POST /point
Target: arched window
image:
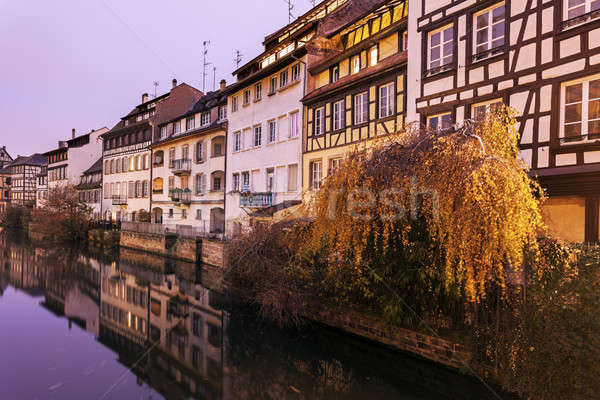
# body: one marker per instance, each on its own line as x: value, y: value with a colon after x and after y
x: 157, y: 185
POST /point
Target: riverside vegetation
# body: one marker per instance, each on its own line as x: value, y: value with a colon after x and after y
x: 443, y: 232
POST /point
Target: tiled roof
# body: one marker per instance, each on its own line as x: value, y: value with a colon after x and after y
x: 35, y: 159
x: 95, y: 168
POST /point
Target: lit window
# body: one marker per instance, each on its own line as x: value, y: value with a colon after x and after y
x: 580, y: 111
x: 339, y: 114
x: 386, y: 100
x: 489, y: 29
x: 361, y: 108
x: 441, y: 47
x: 319, y: 121
x: 356, y: 64
x: 373, y: 56
x: 439, y: 122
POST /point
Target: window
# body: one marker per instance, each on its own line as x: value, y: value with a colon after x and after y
x: 247, y: 97
x: 294, y: 124
x: 361, y: 108
x: 273, y: 85
x: 404, y: 41
x: 479, y: 111
x: 163, y: 132
x: 580, y: 111
x: 217, y: 149
x: 189, y: 123
x: 489, y: 30
x: 355, y: 64
x: 222, y: 113
x: 335, y: 73
x: 199, y: 218
x: 270, y: 180
x: 157, y: 185
x: 319, y: 121
x: 199, y: 184
x: 296, y: 73
x: 373, y: 56
x: 237, y: 141
x: 185, y: 152
x: 199, y: 151
x: 335, y: 164
x: 171, y: 156
x: 315, y: 174
x: 216, y: 183
x: 272, y: 131
x: 339, y: 114
x: 439, y: 122
x: 236, y: 182
x: 258, y: 91
x: 146, y: 161
x: 386, y: 100
x: 283, y: 78
x: 145, y: 188
x: 132, y: 163
x: 205, y: 119
x: 578, y: 8
x: 176, y: 127
x: 441, y: 48
x: 292, y: 177
x: 125, y: 165
x: 138, y: 163
x: 170, y: 213
x: 171, y: 182
x: 183, y: 216
x: 257, y: 136
x: 245, y: 181
x: 234, y: 104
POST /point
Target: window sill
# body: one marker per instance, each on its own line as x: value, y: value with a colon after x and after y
x: 582, y: 20
x: 439, y: 70
x: 258, y: 100
x: 272, y: 93
x: 246, y: 105
x: 288, y: 85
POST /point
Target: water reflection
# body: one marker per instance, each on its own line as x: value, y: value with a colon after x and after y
x: 169, y: 323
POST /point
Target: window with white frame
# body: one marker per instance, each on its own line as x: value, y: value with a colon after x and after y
x: 580, y: 110
x: 234, y: 104
x: 386, y: 100
x: 361, y: 108
x: 489, y: 29
x: 163, y: 132
x: 355, y: 64
x: 237, y: 141
x: 176, y: 127
x: 315, y: 174
x: 283, y: 78
x: 339, y: 113
x: 334, y: 164
x: 199, y: 184
x: 441, y: 47
x: 373, y: 56
x: 578, y: 8
x: 190, y: 123
x: 294, y: 124
x: 205, y: 118
x: 258, y: 91
x: 245, y: 181
x: 439, y: 122
x: 319, y: 121
x: 222, y: 113
x: 236, y: 182
x: 272, y: 131
x: 273, y: 86
x: 480, y: 110
x: 296, y: 73
x: 246, y: 97
x: 257, y: 136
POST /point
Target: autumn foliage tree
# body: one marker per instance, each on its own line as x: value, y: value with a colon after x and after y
x: 63, y: 215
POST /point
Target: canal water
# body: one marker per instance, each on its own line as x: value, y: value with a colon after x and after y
x: 78, y: 324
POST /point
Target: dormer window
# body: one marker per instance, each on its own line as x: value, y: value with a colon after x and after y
x: 190, y: 123
x: 176, y: 127
x: 205, y: 119
x: 138, y: 118
x: 222, y: 113
x: 126, y: 122
x: 163, y: 132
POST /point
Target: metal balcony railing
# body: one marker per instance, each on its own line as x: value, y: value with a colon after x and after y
x: 119, y: 200
x: 256, y: 200
x: 180, y: 196
x: 181, y: 166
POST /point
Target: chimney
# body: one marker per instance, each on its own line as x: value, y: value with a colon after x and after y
x: 223, y: 84
x: 174, y: 83
x: 73, y: 133
x: 144, y: 98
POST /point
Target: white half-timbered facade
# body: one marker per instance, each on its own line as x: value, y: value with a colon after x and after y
x: 541, y: 57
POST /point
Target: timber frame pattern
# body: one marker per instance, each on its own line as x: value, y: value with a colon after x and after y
x: 542, y: 50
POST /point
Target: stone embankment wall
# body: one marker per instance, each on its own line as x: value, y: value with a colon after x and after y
x: 429, y: 347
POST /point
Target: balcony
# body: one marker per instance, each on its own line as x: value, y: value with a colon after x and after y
x: 180, y: 196
x: 119, y: 200
x: 181, y: 167
x: 256, y: 200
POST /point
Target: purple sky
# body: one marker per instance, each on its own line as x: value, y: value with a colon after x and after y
x: 84, y: 64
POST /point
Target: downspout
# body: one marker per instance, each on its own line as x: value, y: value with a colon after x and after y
x: 301, y: 164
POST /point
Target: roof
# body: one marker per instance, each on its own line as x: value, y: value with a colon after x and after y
x: 95, y: 168
x: 34, y: 159
x: 5, y: 170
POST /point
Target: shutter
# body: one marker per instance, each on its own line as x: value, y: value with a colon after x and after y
x: 203, y: 151
x: 203, y: 182
x: 196, y: 153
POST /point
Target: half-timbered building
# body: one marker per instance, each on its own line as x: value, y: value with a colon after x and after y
x: 357, y: 83
x: 23, y: 177
x: 541, y: 57
x: 90, y: 188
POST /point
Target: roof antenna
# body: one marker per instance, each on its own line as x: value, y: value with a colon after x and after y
x: 155, y: 87
x: 204, y: 64
x: 238, y: 58
x: 290, y: 8
x: 313, y: 2
x: 214, y: 78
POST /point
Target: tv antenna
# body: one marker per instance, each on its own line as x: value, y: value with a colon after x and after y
x: 313, y: 2
x: 214, y: 78
x: 204, y: 63
x: 155, y: 87
x: 238, y: 58
x: 290, y: 8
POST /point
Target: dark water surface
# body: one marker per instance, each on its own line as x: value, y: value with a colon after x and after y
x: 75, y: 324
